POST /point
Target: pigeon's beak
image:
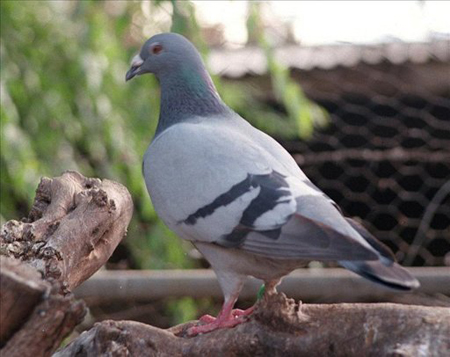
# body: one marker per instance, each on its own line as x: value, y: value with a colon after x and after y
x: 135, y: 69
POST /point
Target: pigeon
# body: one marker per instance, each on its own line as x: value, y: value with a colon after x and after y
x: 237, y: 194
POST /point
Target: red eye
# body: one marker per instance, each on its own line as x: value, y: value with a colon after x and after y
x: 156, y: 48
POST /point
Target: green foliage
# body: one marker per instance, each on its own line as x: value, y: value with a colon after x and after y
x: 182, y: 310
x: 65, y: 106
x: 300, y: 110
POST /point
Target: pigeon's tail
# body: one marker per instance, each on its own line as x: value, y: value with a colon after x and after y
x: 385, y: 270
x: 389, y: 274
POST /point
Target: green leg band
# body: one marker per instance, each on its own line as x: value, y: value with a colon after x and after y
x: 261, y: 291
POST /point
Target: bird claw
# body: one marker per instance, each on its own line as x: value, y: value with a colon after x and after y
x: 209, y: 323
x: 217, y: 324
x: 207, y: 319
x: 246, y: 312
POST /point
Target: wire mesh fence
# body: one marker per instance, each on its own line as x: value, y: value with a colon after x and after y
x: 390, y: 172
x: 385, y: 157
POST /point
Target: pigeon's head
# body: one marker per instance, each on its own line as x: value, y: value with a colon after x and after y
x: 165, y: 53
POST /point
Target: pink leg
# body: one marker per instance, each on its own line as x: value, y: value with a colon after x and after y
x: 227, y: 318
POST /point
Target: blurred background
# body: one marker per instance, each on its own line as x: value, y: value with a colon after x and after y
x: 358, y: 92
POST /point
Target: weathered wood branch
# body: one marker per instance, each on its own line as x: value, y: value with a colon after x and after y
x: 20, y: 286
x: 35, y: 317
x: 72, y: 229
x: 280, y: 327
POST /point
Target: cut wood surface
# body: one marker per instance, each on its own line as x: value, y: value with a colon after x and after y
x: 72, y: 229
x: 39, y: 324
x: 20, y: 286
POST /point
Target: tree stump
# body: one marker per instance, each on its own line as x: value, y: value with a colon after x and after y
x: 72, y: 229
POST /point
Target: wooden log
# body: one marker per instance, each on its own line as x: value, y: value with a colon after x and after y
x: 45, y: 324
x: 280, y: 327
x: 22, y: 286
x: 72, y: 229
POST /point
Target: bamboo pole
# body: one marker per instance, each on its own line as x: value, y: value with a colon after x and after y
x: 315, y: 284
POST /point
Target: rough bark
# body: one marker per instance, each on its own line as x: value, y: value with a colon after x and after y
x: 72, y: 229
x: 36, y: 322
x: 279, y: 327
x: 22, y: 286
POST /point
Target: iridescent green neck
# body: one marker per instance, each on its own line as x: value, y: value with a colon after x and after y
x: 185, y: 93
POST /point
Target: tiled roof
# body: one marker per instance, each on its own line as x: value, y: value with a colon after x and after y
x: 252, y: 60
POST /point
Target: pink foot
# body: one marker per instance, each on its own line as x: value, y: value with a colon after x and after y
x: 207, y: 319
x: 246, y: 312
x: 217, y: 324
x: 227, y: 318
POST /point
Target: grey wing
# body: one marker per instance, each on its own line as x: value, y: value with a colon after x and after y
x: 306, y: 236
x: 261, y: 202
x: 292, y: 219
x: 282, y: 217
